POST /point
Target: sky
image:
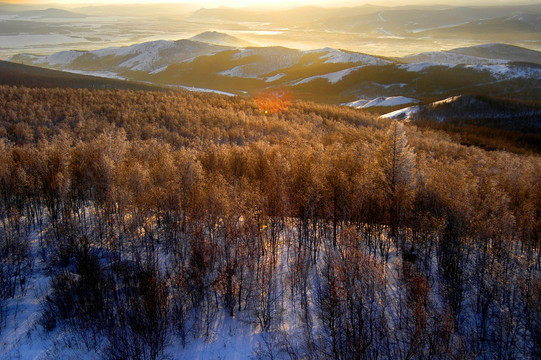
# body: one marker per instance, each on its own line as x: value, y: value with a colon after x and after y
x: 240, y: 3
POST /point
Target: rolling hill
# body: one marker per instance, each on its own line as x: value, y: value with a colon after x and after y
x: 498, y: 113
x: 325, y: 75
x: 32, y: 76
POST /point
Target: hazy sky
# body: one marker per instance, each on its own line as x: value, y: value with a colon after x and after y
x: 236, y: 3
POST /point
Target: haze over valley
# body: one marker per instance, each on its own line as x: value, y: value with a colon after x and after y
x: 334, y: 55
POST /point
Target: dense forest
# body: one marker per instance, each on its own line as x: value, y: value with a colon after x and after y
x: 331, y: 233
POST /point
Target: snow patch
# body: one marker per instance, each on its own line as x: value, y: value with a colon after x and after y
x: 503, y: 72
x: 402, y: 114
x: 60, y: 58
x: 104, y: 74
x: 268, y: 60
x: 151, y: 47
x: 382, y: 101
x: 237, y: 71
x: 334, y: 56
x: 243, y: 53
x: 196, y: 89
x: 159, y: 70
x: 275, y: 77
x: 333, y: 77
x: 356, y: 104
x: 419, y: 67
x: 390, y: 101
x: 451, y: 58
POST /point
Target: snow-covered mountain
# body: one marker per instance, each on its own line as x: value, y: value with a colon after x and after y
x: 335, y: 56
x: 495, y: 51
x: 486, y: 54
x: 146, y: 57
x: 327, y: 74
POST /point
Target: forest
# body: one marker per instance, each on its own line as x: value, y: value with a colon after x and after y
x: 326, y: 231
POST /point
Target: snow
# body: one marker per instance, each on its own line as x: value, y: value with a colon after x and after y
x: 104, y: 74
x: 146, y: 54
x: 390, y: 101
x: 335, y: 56
x: 419, y: 67
x: 402, y: 114
x: 382, y: 101
x: 268, y: 60
x: 21, y: 336
x: 196, y: 89
x: 231, y: 338
x: 332, y: 78
x: 275, y: 77
x: 237, y: 71
x: 244, y: 53
x: 60, y: 58
x: 149, y: 48
x: 388, y: 86
x: 253, y: 70
x: 450, y: 58
x: 508, y: 71
x: 159, y: 70
x: 357, y: 103
x: 152, y: 57
x: 499, y: 69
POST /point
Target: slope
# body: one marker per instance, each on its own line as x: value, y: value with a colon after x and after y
x: 31, y: 76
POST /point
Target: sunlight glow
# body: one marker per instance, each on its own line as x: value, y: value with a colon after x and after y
x: 267, y: 3
x: 213, y: 3
x: 274, y: 101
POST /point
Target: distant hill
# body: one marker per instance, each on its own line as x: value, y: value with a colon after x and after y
x: 410, y: 21
x: 50, y: 13
x: 498, y: 113
x: 31, y: 76
x: 501, y: 51
x: 486, y: 54
x: 218, y: 38
x: 509, y: 28
x: 325, y: 75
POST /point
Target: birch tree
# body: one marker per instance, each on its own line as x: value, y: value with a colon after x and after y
x: 396, y: 163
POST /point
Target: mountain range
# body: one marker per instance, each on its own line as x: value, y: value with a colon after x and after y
x: 223, y: 62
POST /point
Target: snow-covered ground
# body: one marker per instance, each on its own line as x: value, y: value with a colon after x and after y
x: 152, y: 56
x: 509, y: 71
x: 335, y: 56
x: 196, y: 89
x: 382, y: 101
x: 275, y: 77
x: 446, y: 57
x: 422, y: 66
x: 104, y: 74
x: 402, y: 114
x: 332, y: 78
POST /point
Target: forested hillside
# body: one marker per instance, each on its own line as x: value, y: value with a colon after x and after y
x: 150, y: 218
